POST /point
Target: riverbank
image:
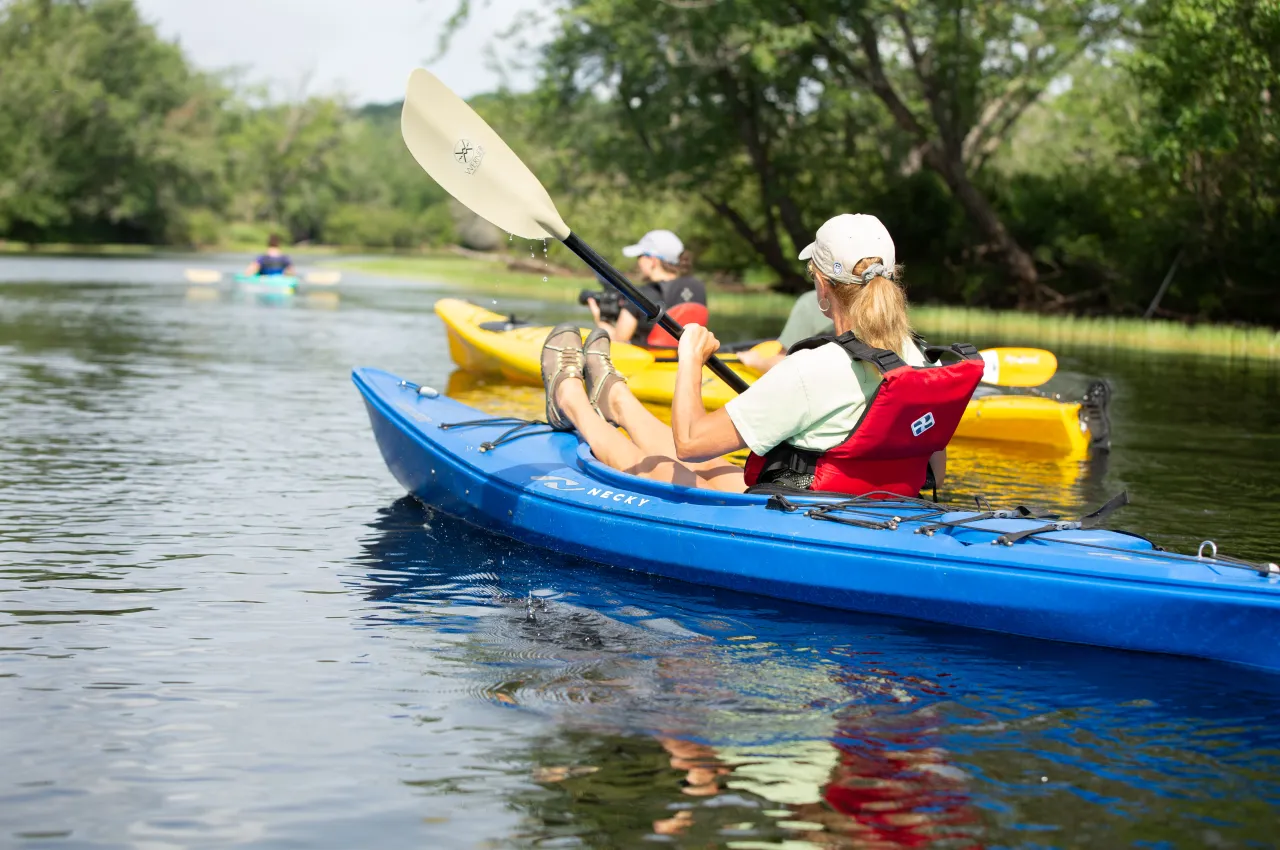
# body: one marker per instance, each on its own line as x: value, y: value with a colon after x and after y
x: 490, y: 278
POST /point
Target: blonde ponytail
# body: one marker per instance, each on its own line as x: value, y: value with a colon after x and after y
x: 877, y: 310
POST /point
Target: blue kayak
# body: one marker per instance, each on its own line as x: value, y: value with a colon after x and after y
x: 989, y: 570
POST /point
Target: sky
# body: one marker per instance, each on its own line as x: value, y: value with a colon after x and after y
x: 364, y: 49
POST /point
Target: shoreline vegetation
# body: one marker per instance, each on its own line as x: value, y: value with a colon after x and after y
x: 1088, y: 158
x: 492, y: 277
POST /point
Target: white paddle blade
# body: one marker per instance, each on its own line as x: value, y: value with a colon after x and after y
x: 325, y: 278
x: 471, y: 162
x: 202, y: 276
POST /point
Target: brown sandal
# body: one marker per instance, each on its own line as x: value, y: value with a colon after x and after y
x: 600, y: 371
x: 561, y: 359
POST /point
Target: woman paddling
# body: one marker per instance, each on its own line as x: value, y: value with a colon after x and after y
x: 809, y: 421
x: 273, y: 262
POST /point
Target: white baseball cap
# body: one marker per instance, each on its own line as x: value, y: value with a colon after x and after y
x: 845, y: 241
x: 663, y: 244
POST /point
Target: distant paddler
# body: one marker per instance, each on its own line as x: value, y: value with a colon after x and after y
x: 273, y: 262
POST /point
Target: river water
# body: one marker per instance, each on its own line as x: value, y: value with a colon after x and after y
x: 221, y: 624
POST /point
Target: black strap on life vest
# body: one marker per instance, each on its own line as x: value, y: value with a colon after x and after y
x: 882, y: 358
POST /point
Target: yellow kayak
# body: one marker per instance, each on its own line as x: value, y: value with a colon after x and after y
x: 482, y: 341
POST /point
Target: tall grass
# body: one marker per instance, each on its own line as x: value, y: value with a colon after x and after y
x: 1046, y: 331
x: 485, y: 277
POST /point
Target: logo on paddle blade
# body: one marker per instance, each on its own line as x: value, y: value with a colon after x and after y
x: 924, y: 423
x: 468, y: 155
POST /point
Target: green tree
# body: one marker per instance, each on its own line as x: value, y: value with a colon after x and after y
x: 288, y: 162
x: 762, y: 104
x: 105, y: 132
x: 1209, y: 70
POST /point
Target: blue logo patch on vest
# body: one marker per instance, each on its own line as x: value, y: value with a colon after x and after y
x: 924, y: 423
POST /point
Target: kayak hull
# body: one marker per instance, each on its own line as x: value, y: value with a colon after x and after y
x: 547, y: 490
x: 1042, y: 422
x: 284, y: 284
x: 1046, y: 424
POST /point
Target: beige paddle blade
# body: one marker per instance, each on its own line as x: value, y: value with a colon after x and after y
x: 324, y: 278
x: 1018, y: 367
x: 471, y: 162
x: 202, y: 276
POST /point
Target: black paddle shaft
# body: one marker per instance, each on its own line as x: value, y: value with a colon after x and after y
x: 601, y: 266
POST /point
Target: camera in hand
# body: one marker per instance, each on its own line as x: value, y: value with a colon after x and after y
x: 609, y: 300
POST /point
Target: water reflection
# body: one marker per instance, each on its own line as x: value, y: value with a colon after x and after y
x: 323, y: 299
x: 713, y: 718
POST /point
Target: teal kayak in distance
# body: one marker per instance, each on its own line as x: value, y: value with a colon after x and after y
x: 279, y: 283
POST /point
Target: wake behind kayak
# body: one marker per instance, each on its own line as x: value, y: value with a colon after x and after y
x: 1030, y: 576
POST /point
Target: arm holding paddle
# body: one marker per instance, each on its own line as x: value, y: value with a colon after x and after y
x: 699, y: 435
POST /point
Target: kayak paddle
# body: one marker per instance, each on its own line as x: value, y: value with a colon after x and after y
x: 472, y: 163
x: 202, y: 276
x: 1018, y: 367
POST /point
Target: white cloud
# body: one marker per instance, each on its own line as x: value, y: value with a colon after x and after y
x: 363, y: 48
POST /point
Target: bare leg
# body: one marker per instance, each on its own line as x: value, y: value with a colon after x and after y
x: 653, y: 436
x: 615, y: 450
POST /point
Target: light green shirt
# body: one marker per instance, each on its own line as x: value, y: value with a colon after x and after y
x: 806, y: 320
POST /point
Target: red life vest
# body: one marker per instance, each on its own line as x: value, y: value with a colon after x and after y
x: 685, y: 313
x: 912, y: 413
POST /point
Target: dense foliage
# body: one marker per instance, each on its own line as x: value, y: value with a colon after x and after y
x: 108, y: 135
x: 1063, y: 155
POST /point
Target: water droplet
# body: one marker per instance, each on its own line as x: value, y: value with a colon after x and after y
x: 511, y: 237
x: 544, y: 278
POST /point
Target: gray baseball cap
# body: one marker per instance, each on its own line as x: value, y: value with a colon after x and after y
x: 663, y: 244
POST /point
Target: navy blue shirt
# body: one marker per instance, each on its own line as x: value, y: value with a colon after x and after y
x: 270, y: 265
